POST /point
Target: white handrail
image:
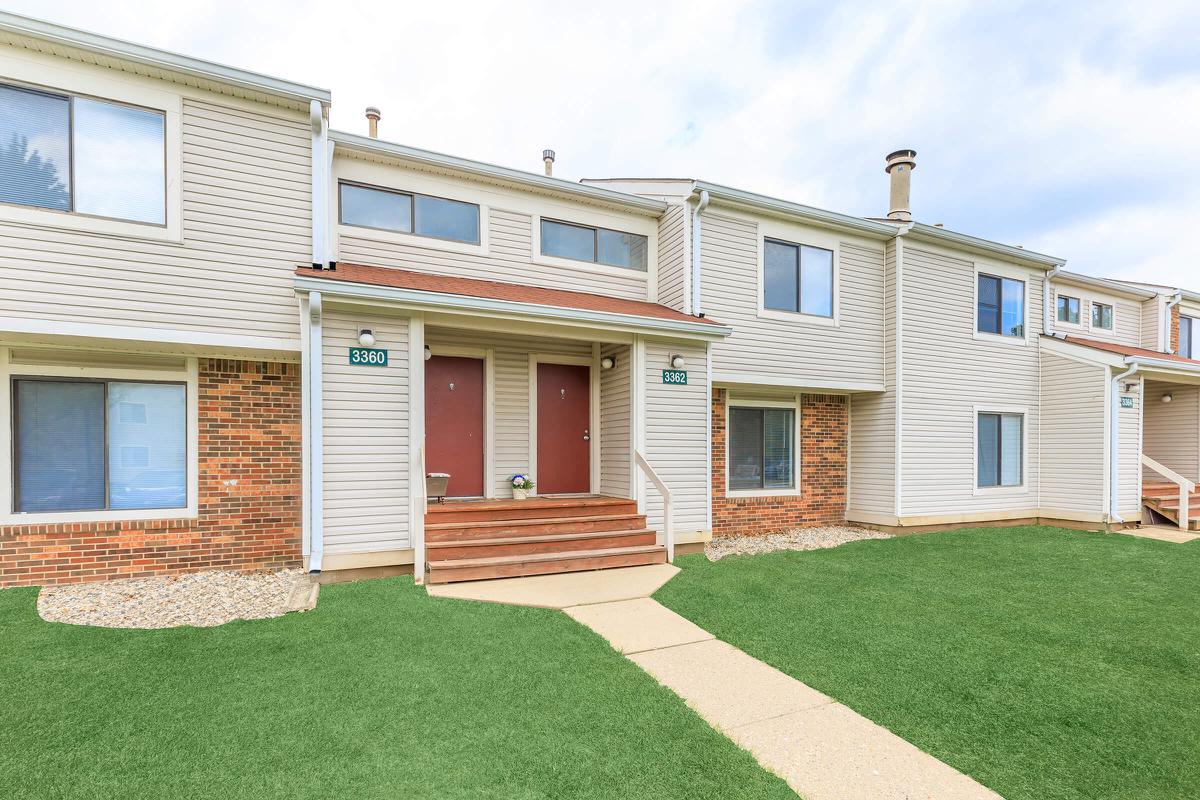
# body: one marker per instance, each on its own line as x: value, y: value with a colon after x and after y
x: 668, y: 522
x: 422, y: 503
x: 1186, y: 487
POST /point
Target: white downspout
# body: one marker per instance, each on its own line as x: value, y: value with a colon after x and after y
x: 320, y: 174
x: 1047, y: 317
x: 701, y: 204
x: 316, y: 516
x: 1165, y: 328
x: 1114, y: 442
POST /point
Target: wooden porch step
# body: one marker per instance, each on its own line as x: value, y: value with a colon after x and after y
x: 536, y: 545
x: 534, y: 507
x: 1162, y: 490
x: 475, y: 569
x: 457, y: 531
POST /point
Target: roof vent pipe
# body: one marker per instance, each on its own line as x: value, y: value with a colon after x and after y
x: 373, y: 117
x: 900, y: 165
x: 548, y: 160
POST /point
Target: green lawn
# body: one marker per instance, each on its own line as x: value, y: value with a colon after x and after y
x: 1045, y: 663
x: 381, y: 692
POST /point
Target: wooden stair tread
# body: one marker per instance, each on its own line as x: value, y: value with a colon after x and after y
x: 521, y: 523
x: 565, y: 555
x: 533, y: 502
x: 548, y: 537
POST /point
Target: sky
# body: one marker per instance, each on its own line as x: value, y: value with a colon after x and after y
x: 1071, y: 128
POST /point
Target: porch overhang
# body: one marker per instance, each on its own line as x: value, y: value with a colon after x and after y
x: 1166, y: 366
x: 466, y: 297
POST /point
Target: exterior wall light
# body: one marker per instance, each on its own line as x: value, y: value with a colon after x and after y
x: 428, y: 353
x: 677, y: 362
x: 608, y: 362
x: 1168, y: 397
x: 366, y: 337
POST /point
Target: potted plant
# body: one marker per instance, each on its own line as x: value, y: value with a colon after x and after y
x: 521, y: 486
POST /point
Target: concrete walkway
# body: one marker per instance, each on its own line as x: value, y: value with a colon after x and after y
x: 823, y: 749
x: 1163, y: 533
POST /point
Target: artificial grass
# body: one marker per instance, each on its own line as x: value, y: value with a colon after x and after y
x: 381, y: 692
x: 1045, y: 663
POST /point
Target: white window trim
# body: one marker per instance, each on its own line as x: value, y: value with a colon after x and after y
x: 1110, y: 331
x: 790, y: 235
x: 63, y: 80
x: 1001, y: 491
x: 590, y: 362
x: 189, y: 376
x: 537, y: 257
x: 482, y: 248
x: 488, y: 356
x: 1084, y: 308
x: 794, y: 403
x: 1002, y: 271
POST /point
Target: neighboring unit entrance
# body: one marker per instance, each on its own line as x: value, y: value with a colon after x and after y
x: 454, y: 422
x: 563, y: 429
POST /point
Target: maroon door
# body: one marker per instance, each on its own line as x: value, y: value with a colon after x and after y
x: 563, y: 429
x: 454, y: 422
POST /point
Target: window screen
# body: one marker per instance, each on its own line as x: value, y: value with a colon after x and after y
x: 761, y: 448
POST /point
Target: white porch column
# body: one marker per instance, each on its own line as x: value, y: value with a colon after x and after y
x: 416, y: 474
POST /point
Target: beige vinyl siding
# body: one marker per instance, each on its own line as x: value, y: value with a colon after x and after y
x: 1127, y: 316
x: 1172, y: 430
x: 616, y: 398
x: 1129, y: 496
x: 673, y: 266
x: 246, y: 226
x: 770, y: 349
x: 1073, y: 433
x: 1152, y: 310
x: 872, y: 458
x: 676, y: 437
x: 511, y: 422
x: 948, y: 372
x: 366, y: 437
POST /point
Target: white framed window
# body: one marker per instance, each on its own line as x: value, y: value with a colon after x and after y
x: 96, y: 443
x: 762, y: 447
x: 596, y: 245
x: 1068, y: 309
x: 363, y: 206
x: 798, y: 278
x: 1000, y: 306
x: 1001, y: 449
x: 1102, y: 316
x: 1189, y: 337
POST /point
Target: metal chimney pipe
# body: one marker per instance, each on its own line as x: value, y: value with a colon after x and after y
x: 373, y: 117
x: 548, y: 159
x: 900, y: 165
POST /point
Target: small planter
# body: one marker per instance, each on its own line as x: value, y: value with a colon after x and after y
x: 520, y: 494
x: 435, y: 485
x: 521, y: 487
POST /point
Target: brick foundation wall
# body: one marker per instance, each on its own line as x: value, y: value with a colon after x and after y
x: 249, y: 498
x: 824, y: 421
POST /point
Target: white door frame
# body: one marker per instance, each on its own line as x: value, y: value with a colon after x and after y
x: 488, y: 356
x: 593, y: 413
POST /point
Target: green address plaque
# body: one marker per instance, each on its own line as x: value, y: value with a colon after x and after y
x: 677, y: 377
x: 368, y: 357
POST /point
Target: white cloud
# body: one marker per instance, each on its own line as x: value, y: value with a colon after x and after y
x: 1072, y: 129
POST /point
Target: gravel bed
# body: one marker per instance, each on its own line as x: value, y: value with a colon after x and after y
x: 798, y: 539
x: 202, y: 599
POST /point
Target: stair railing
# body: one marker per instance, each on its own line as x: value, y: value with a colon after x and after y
x: 668, y: 516
x: 1186, y: 487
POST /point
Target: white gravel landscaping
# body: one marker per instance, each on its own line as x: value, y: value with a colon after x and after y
x: 798, y: 539
x: 202, y: 599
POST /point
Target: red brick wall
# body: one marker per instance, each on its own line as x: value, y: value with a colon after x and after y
x: 249, y: 499
x: 1174, y: 347
x: 822, y: 499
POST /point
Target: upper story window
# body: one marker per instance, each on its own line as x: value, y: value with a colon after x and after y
x: 597, y: 245
x: 407, y: 212
x: 76, y: 154
x: 1189, y: 337
x: 1001, y: 306
x: 1068, y: 309
x: 1102, y: 316
x: 797, y: 277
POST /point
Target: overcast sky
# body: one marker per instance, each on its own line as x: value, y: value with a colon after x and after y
x: 1074, y: 130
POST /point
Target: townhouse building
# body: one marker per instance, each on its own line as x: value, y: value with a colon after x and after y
x: 235, y: 338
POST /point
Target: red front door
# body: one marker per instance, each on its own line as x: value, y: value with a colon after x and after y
x: 563, y: 429
x: 454, y: 422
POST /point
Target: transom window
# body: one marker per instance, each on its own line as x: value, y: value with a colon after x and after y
x: 761, y: 449
x: 83, y: 445
x: 1068, y: 309
x: 797, y: 277
x: 1102, y: 316
x: 407, y: 212
x: 1189, y: 337
x: 1000, y: 450
x: 597, y: 245
x: 76, y: 154
x: 1001, y: 306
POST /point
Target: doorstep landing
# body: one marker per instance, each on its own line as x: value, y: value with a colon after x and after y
x: 563, y: 590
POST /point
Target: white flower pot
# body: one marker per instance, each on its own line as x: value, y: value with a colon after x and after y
x: 520, y: 494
